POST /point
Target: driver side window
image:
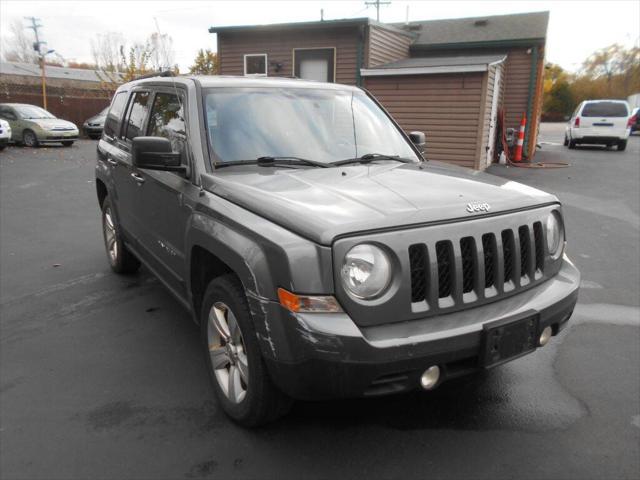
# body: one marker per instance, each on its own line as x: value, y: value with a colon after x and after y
x: 167, y: 120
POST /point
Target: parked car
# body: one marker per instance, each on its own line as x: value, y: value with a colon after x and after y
x: 318, y: 251
x: 5, y: 134
x: 93, y: 126
x: 33, y: 125
x: 634, y: 121
x: 602, y: 122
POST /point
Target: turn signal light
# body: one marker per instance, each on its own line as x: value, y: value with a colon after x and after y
x: 307, y: 303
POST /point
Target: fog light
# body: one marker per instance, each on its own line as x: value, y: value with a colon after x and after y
x: 430, y: 377
x: 545, y: 336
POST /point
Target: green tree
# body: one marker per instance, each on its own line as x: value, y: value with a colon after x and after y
x: 205, y: 63
x: 135, y: 61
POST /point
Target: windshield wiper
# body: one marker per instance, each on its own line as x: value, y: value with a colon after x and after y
x: 269, y: 161
x: 370, y: 157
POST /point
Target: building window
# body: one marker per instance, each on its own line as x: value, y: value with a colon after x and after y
x: 255, y: 64
x: 315, y: 64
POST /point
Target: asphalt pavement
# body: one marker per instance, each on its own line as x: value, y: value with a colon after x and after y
x: 101, y: 376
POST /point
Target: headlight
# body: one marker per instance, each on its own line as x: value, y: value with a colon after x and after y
x: 555, y: 233
x: 366, y: 271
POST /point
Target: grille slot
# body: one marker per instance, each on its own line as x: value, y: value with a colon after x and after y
x: 539, y: 239
x: 525, y: 254
x: 418, y: 260
x: 444, y: 254
x: 467, y: 250
x: 490, y: 259
x: 508, y: 247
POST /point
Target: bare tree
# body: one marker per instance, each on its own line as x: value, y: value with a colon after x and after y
x: 18, y: 46
x: 162, y: 54
x: 105, y: 50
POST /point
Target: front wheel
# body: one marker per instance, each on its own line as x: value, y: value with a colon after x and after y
x: 240, y: 378
x: 29, y: 139
x: 67, y: 144
x: 120, y: 258
x: 622, y: 145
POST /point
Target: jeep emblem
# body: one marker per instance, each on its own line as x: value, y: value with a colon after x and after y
x: 474, y: 207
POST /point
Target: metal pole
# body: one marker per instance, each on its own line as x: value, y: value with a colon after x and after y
x: 44, y: 85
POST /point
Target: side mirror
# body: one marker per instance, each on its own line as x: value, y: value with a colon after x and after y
x: 155, y: 153
x: 419, y: 140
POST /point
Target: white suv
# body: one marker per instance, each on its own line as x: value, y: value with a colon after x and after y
x: 604, y: 122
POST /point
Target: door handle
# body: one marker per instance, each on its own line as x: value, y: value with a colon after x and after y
x: 112, y: 162
x: 138, y: 178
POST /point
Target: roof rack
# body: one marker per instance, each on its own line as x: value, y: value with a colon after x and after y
x: 164, y: 73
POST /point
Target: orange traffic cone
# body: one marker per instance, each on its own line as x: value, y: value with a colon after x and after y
x: 517, y: 156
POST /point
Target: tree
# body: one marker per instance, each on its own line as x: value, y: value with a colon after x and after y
x: 205, y: 63
x: 558, y: 96
x: 611, y: 61
x: 162, y: 54
x: 136, y: 61
x: 18, y: 47
x: 106, y: 52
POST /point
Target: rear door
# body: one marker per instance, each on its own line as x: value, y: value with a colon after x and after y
x: 604, y: 119
x: 127, y: 181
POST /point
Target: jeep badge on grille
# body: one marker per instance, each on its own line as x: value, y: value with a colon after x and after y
x: 474, y: 207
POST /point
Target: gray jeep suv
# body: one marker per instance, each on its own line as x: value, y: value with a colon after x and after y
x: 320, y: 254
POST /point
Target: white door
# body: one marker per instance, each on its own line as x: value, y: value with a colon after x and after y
x: 314, y: 69
x: 494, y: 116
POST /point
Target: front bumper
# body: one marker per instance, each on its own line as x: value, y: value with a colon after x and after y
x: 319, y: 356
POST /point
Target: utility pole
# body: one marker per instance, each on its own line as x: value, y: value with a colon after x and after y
x: 377, y: 3
x: 37, y: 46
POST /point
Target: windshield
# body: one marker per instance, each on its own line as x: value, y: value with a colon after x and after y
x: 605, y: 109
x: 29, y: 112
x: 324, y: 125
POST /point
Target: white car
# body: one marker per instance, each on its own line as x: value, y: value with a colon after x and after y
x: 5, y: 133
x: 602, y: 122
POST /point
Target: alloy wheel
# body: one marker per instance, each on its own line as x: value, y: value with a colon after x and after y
x: 227, y: 352
x: 110, y: 238
x: 29, y: 139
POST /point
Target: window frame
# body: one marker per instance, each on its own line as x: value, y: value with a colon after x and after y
x: 266, y: 65
x: 332, y: 65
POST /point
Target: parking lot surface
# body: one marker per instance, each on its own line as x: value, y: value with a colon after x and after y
x: 101, y: 375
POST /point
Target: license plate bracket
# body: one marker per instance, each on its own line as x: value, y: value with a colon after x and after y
x: 508, y: 339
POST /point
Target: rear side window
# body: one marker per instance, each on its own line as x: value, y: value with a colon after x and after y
x: 137, y: 114
x: 605, y: 109
x: 115, y: 114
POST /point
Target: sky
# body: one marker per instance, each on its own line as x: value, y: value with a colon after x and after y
x: 576, y: 27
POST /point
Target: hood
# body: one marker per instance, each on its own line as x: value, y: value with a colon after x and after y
x: 323, y: 203
x: 96, y: 119
x: 49, y: 123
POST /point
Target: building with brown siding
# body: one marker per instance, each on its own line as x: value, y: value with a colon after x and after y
x: 447, y: 78
x: 74, y: 94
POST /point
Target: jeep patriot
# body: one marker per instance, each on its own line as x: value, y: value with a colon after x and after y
x: 320, y: 254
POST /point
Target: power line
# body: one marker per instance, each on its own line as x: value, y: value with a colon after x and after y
x: 377, y: 3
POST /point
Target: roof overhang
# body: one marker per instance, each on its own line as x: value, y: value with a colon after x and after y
x: 430, y: 70
x: 523, y: 42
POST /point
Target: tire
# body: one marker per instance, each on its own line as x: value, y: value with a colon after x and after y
x: 67, y: 144
x: 121, y: 260
x: 2, y: 147
x: 622, y: 145
x: 566, y: 141
x: 229, y: 340
x: 572, y: 144
x: 29, y: 139
x: 94, y: 137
